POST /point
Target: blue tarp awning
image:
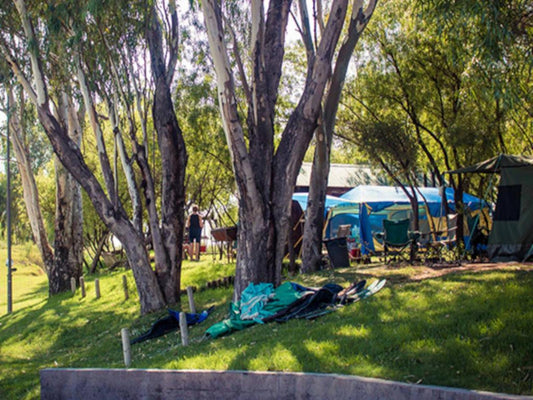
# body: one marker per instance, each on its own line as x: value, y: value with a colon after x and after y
x: 381, y: 197
x: 331, y: 201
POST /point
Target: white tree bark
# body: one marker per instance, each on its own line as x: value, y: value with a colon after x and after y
x: 42, y: 94
x: 29, y: 186
x: 127, y: 167
x: 228, y: 106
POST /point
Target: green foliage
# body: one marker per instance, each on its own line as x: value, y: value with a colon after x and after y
x: 19, y: 221
x: 46, y: 185
x: 209, y: 181
x: 468, y: 330
x: 495, y: 28
x: 425, y: 64
x: 390, y: 142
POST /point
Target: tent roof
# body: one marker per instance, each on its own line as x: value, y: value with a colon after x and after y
x: 331, y: 201
x: 380, y: 197
x: 495, y: 164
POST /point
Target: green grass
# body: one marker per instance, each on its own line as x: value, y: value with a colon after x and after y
x: 469, y: 330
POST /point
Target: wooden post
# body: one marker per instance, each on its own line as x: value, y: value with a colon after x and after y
x: 125, y: 286
x: 126, y: 349
x: 73, y: 285
x: 195, y: 250
x: 82, y: 286
x: 184, y: 329
x: 97, y: 287
x: 192, y: 307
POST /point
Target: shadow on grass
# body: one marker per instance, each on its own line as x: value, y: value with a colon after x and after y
x: 467, y: 331
x: 62, y: 331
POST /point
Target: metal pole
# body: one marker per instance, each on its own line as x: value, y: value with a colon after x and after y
x: 8, y: 215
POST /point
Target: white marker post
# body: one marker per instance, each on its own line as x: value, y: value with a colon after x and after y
x: 126, y: 349
x: 192, y: 307
x: 82, y: 286
x: 97, y: 287
x: 184, y: 329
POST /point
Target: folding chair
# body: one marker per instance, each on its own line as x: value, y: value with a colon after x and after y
x: 426, y: 237
x: 396, y: 236
x: 447, y: 239
x: 344, y: 230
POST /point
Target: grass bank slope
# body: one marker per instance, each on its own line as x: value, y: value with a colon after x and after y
x: 466, y: 327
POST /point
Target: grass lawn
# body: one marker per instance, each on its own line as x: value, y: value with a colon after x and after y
x: 467, y: 327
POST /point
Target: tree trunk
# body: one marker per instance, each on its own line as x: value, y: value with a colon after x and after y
x: 115, y: 219
x: 29, y: 187
x: 266, y: 176
x: 316, y: 204
x: 127, y: 167
x: 459, y: 209
x: 68, y: 242
x: 413, y: 248
x: 174, y: 162
x: 62, y: 269
x: 97, y: 253
x: 313, y: 229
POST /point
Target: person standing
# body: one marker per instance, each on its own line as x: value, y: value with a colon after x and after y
x: 195, y: 224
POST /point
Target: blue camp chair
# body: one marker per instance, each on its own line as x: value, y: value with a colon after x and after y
x: 396, y: 237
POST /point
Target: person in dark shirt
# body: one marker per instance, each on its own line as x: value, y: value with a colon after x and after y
x: 195, y: 224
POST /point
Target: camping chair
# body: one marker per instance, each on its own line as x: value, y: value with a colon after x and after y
x: 344, y: 230
x: 446, y: 240
x: 396, y: 236
x: 426, y: 236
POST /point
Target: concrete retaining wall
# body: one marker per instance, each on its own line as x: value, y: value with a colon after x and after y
x: 103, y: 384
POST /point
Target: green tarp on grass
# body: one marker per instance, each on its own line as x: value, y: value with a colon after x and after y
x: 280, y: 298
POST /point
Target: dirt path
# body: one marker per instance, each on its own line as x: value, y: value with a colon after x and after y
x: 407, y: 273
x: 438, y: 270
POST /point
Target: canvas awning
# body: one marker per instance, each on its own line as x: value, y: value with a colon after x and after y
x: 495, y: 164
x: 331, y: 201
x: 511, y: 237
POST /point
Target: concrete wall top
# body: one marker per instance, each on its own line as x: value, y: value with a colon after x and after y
x: 102, y: 384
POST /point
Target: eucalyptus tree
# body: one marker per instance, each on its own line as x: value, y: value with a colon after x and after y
x: 266, y: 155
x: 314, y: 219
x: 75, y: 30
x: 31, y: 193
x: 63, y: 260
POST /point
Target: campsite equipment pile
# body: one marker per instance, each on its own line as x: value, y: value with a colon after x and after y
x: 261, y: 303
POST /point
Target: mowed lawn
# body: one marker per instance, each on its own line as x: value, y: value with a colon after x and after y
x: 467, y: 327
